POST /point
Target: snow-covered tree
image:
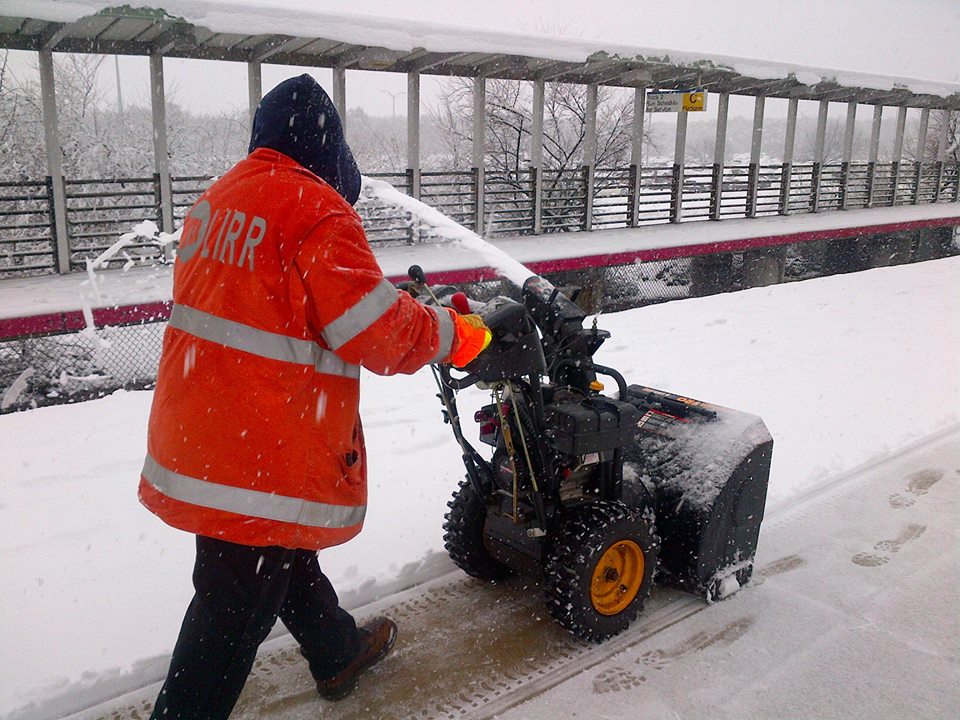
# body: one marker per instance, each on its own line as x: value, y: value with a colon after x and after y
x: 509, y: 124
x: 508, y: 132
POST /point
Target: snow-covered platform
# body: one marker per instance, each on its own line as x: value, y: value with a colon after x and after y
x: 852, y: 613
x: 51, y: 304
x: 855, y: 375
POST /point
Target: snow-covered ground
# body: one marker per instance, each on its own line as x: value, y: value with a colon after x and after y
x: 854, y: 614
x: 845, y: 371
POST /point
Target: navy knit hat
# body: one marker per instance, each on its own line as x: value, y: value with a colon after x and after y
x: 298, y: 119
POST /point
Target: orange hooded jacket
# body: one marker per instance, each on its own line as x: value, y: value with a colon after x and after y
x: 254, y: 434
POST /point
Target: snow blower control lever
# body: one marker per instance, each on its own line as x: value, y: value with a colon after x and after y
x: 587, y: 493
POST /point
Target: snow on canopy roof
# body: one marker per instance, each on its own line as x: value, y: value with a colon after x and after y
x: 296, y: 32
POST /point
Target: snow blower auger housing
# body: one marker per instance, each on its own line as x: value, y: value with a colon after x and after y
x: 591, y: 494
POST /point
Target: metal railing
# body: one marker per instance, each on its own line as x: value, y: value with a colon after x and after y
x: 733, y: 189
x: 768, y: 190
x: 185, y: 191
x: 906, y: 184
x: 655, y: 196
x: 384, y: 226
x: 99, y: 211
x: 27, y: 235
x: 564, y: 204
x: 799, y: 190
x: 452, y: 193
x: 612, y: 197
x: 697, y: 194
x: 508, y: 203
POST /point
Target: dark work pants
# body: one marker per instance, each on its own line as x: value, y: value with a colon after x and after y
x: 240, y: 592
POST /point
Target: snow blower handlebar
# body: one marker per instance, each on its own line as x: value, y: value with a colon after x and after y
x: 478, y: 470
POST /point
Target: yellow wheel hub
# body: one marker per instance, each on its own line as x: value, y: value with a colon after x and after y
x: 617, y: 577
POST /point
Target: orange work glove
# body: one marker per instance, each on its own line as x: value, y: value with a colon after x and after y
x: 472, y: 338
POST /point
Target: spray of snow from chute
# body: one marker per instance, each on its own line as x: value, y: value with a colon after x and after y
x: 13, y: 393
x: 145, y: 230
x: 425, y: 215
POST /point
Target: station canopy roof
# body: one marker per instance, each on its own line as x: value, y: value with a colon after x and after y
x: 294, y: 32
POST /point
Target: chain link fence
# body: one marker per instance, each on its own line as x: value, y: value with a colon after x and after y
x: 78, y: 366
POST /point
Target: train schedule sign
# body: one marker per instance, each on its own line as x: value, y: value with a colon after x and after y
x: 676, y: 100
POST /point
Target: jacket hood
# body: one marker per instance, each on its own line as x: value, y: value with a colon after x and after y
x: 298, y: 119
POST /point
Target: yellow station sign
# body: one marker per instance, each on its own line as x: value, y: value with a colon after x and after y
x: 695, y: 101
x: 676, y: 101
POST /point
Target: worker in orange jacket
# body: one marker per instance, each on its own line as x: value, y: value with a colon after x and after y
x: 255, y: 443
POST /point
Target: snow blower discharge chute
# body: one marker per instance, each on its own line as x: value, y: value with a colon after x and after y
x: 591, y: 494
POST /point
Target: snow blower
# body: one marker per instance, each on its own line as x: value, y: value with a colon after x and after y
x: 594, y: 494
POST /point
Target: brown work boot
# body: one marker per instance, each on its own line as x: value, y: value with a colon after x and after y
x: 377, y: 637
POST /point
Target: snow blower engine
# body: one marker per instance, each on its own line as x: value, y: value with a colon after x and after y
x: 593, y: 494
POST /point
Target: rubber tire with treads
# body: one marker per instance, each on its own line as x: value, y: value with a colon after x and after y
x: 463, y: 535
x: 587, y: 533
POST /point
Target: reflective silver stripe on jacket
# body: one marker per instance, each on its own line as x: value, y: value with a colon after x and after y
x: 253, y: 503
x: 445, y: 330
x: 362, y: 315
x: 260, y: 342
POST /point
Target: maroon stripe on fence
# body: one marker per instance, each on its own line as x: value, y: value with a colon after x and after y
x: 32, y: 325
x: 73, y: 320
x: 671, y: 253
x: 132, y: 314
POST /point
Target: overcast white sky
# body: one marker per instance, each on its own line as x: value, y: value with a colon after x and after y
x: 916, y: 39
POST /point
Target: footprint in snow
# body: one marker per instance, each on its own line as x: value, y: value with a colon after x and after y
x: 619, y: 678
x: 728, y: 634
x: 782, y: 565
x: 885, y: 548
x: 918, y: 483
x: 899, y: 501
x: 616, y: 679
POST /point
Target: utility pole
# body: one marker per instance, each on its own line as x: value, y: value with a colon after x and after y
x: 116, y: 64
x: 393, y: 104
